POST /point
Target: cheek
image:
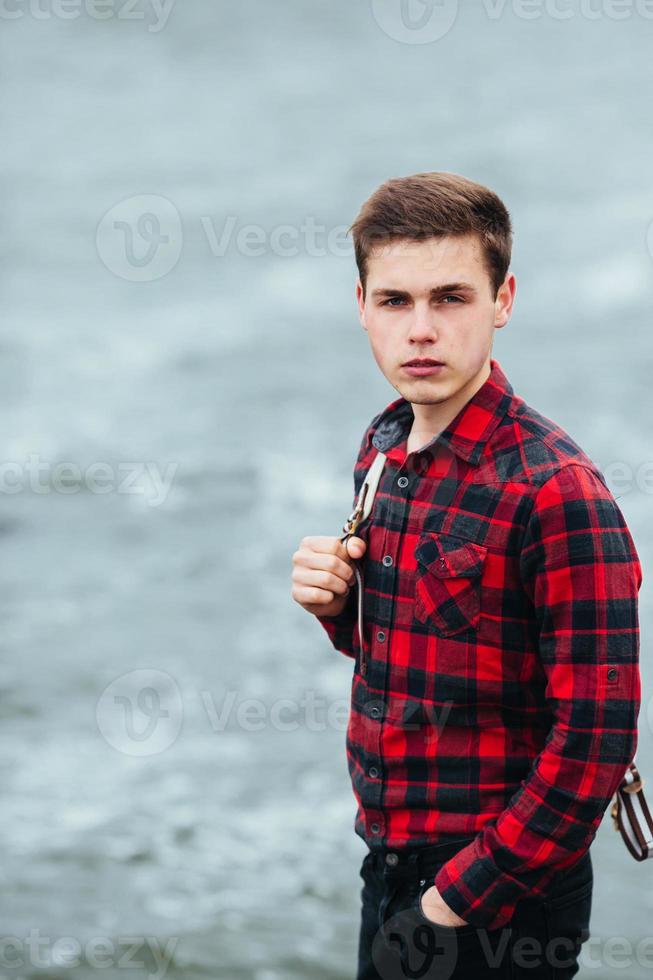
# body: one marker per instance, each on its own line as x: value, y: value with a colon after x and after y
x: 380, y: 355
x: 473, y: 334
x: 379, y: 341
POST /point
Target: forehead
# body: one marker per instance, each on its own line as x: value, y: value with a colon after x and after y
x: 448, y: 257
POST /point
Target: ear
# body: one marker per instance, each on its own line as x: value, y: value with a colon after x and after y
x: 504, y: 301
x: 360, y: 303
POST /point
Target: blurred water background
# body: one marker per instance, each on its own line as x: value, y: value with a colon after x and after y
x: 237, y: 365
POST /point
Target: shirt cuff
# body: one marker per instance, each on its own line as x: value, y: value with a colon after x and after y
x: 479, y: 891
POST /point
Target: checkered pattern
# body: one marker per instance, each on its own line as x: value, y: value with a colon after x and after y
x: 501, y: 627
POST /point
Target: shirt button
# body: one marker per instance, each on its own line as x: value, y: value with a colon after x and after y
x: 402, y: 481
x: 380, y: 636
x: 373, y: 772
x: 375, y: 828
x: 612, y: 673
x: 392, y: 859
x: 374, y: 711
x: 387, y: 559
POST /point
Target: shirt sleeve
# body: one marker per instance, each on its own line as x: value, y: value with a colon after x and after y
x: 581, y: 573
x: 342, y: 629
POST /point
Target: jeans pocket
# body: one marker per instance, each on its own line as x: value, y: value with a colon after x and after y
x: 404, y: 945
x: 464, y: 950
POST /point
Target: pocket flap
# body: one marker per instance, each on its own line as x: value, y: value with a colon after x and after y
x: 447, y: 556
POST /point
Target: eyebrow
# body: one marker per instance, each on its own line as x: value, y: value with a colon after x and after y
x: 449, y: 287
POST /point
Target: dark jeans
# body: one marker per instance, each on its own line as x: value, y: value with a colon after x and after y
x: 541, y: 941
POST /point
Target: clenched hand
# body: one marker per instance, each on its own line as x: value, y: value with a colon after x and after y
x: 323, y: 573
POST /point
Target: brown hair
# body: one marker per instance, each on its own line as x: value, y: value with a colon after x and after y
x: 432, y: 205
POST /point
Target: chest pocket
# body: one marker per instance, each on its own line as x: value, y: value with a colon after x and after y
x: 448, y: 582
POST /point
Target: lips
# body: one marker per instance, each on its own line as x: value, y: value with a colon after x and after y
x: 426, y: 362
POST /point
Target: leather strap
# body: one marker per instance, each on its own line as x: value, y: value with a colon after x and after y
x: 631, y: 815
x: 361, y: 511
x: 365, y: 499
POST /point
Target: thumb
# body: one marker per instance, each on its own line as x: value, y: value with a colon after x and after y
x: 356, y: 547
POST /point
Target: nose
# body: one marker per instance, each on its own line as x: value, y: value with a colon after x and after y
x: 423, y: 326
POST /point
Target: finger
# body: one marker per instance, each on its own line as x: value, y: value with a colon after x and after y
x: 326, y: 580
x: 308, y: 595
x: 325, y: 562
x: 326, y: 544
x: 355, y: 547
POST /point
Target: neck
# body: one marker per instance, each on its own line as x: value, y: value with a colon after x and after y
x: 429, y: 420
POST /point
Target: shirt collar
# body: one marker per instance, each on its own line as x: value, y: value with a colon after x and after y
x: 468, y: 433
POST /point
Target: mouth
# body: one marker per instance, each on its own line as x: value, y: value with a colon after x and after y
x: 423, y: 362
x: 421, y: 367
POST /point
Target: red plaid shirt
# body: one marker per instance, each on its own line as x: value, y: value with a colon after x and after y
x: 502, y: 688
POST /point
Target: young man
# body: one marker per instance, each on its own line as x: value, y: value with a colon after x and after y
x: 494, y: 703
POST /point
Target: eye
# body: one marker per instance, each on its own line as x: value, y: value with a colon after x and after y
x: 457, y: 299
x: 392, y: 301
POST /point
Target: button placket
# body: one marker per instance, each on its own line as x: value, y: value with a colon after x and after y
x: 372, y: 741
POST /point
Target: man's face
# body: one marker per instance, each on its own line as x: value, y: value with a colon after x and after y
x: 432, y: 299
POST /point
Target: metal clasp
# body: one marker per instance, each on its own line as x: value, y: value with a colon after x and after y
x: 349, y: 529
x: 351, y: 524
